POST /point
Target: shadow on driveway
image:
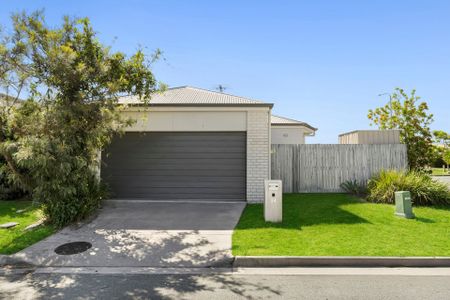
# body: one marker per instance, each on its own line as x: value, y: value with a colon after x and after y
x: 147, y: 234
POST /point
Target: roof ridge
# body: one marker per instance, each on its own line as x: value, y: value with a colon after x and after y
x: 220, y: 93
x: 189, y: 95
x: 177, y: 87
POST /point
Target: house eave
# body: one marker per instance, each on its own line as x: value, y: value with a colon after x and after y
x: 295, y: 125
x: 269, y: 105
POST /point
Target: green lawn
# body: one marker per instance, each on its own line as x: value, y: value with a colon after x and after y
x: 16, y: 239
x: 439, y: 171
x: 340, y: 225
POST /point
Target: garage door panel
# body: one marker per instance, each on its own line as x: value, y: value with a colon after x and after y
x: 185, y: 190
x: 187, y: 172
x: 177, y: 166
x: 180, y: 184
x: 197, y: 143
x: 184, y: 155
x: 170, y: 150
x: 191, y: 162
x: 187, y: 197
x: 180, y: 166
x: 162, y: 178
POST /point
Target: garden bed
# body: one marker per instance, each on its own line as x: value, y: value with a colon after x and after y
x: 342, y: 225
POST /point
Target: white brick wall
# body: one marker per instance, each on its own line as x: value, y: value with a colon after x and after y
x: 257, y: 154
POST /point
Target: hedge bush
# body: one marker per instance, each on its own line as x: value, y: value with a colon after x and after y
x: 424, y: 190
x: 8, y: 190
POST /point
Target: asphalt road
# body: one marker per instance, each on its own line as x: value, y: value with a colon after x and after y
x: 247, y: 285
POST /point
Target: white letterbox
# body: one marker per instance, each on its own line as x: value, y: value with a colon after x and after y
x: 273, y: 203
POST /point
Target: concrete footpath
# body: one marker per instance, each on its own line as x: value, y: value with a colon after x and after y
x: 443, y: 178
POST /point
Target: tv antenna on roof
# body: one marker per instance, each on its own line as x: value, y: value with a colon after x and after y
x: 221, y: 88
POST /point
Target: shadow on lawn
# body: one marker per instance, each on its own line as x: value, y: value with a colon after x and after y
x: 424, y: 220
x: 304, y: 210
x: 9, y: 208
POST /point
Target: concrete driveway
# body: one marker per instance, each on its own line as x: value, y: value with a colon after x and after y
x: 444, y: 179
x: 146, y: 234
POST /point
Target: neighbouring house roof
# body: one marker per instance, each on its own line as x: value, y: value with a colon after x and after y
x: 186, y: 95
x: 282, y: 121
x: 8, y: 100
x: 370, y: 131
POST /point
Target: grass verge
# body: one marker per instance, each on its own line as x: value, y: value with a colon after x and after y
x: 439, y: 171
x: 342, y: 225
x: 15, y: 239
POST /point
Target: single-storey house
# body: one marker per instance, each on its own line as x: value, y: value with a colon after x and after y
x: 194, y: 144
x: 289, y: 131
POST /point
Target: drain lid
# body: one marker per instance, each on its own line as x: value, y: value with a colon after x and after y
x: 72, y: 248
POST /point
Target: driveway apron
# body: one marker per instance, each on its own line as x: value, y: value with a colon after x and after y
x: 146, y: 234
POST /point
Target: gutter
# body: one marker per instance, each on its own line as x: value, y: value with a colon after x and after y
x: 294, y: 125
x: 270, y: 105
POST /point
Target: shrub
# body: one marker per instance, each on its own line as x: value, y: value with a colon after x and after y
x: 353, y: 187
x: 76, y: 205
x: 424, y: 190
x: 8, y: 190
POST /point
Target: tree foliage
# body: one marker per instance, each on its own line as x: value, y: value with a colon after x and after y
x: 71, y: 83
x: 446, y: 156
x: 411, y: 117
x: 442, y: 149
x: 442, y: 137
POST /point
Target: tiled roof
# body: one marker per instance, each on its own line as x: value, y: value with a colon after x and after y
x: 277, y: 120
x: 186, y: 95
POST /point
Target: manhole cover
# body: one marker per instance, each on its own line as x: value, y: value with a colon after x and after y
x: 72, y: 248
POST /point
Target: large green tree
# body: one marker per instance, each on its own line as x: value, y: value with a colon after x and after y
x: 410, y: 115
x: 442, y: 147
x: 446, y: 156
x: 441, y: 137
x: 71, y: 83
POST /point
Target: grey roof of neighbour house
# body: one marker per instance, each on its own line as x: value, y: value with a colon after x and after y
x: 282, y: 121
x: 186, y: 95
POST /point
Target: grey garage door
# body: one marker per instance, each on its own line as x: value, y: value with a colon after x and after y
x: 177, y: 166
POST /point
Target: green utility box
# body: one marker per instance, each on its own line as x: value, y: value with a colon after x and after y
x: 403, y: 205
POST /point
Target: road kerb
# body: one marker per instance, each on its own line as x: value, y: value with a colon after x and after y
x: 338, y: 261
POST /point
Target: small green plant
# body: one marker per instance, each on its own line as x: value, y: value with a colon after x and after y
x: 424, y: 190
x: 354, y: 187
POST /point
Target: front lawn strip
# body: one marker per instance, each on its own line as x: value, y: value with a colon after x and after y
x: 17, y: 238
x: 439, y: 172
x: 341, y: 225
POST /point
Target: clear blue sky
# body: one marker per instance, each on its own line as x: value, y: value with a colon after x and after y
x: 323, y: 62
